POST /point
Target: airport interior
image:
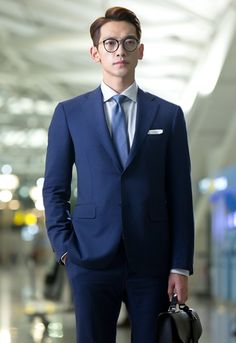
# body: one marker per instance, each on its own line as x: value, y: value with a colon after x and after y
x: 189, y: 59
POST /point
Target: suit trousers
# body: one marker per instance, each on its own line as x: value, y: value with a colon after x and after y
x: 98, y: 295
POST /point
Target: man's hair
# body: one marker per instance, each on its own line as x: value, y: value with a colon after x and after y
x: 114, y: 14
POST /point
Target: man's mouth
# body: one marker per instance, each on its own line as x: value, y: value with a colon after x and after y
x: 120, y: 63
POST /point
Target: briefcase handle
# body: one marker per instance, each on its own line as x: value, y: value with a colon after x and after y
x: 174, y: 303
x: 196, y: 326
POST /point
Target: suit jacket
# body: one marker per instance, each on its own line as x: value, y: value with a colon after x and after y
x: 148, y: 204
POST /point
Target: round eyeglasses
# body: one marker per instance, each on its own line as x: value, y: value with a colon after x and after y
x: 129, y: 44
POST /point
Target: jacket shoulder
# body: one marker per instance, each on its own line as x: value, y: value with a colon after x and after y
x: 79, y: 100
x: 160, y: 101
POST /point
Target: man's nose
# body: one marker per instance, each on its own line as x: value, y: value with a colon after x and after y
x: 120, y: 51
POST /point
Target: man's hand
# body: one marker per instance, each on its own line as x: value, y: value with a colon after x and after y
x: 178, y: 284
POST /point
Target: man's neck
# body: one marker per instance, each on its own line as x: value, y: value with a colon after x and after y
x: 118, y: 85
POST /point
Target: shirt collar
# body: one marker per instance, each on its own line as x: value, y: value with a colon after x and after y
x: 130, y: 92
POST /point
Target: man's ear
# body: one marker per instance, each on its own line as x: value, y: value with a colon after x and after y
x: 140, y: 51
x: 95, y: 54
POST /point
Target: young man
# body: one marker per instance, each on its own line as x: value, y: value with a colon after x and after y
x: 130, y: 237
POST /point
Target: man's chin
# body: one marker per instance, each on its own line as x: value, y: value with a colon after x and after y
x: 122, y: 72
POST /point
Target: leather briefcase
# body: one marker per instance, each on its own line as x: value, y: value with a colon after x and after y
x: 180, y: 324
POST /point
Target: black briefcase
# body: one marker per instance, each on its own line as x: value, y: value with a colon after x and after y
x: 180, y: 324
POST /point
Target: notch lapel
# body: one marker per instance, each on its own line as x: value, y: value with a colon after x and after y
x: 98, y: 120
x: 147, y: 109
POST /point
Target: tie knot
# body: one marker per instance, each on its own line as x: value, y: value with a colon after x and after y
x: 119, y: 98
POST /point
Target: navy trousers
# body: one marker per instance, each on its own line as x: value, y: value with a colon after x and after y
x: 98, y: 295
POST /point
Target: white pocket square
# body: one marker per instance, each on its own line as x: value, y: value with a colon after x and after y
x: 155, y: 132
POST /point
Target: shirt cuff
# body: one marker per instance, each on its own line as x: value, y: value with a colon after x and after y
x: 180, y: 271
x: 63, y: 258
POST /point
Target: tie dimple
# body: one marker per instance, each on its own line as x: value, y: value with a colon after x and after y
x: 119, y: 129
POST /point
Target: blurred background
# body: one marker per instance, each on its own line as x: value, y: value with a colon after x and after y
x: 190, y: 59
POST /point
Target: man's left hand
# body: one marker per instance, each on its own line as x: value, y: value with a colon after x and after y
x: 178, y: 284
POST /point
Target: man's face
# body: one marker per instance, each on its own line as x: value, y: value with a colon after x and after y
x: 121, y: 63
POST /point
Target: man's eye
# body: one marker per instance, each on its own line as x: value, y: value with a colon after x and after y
x: 130, y: 42
x: 110, y: 43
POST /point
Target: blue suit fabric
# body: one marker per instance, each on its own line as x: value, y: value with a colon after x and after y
x: 148, y: 203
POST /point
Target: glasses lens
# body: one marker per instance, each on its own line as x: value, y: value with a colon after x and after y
x: 111, y: 45
x: 130, y: 44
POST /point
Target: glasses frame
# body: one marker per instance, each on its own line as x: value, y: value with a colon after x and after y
x: 119, y: 42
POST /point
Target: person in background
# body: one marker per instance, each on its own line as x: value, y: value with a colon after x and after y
x: 130, y: 237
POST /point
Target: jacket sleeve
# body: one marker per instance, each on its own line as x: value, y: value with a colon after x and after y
x: 57, y: 183
x: 178, y: 185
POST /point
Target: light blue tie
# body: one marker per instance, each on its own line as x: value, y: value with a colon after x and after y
x: 119, y: 129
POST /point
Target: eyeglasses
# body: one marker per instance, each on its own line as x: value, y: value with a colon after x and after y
x: 129, y: 44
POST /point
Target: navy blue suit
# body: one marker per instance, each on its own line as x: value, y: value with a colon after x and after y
x: 147, y: 205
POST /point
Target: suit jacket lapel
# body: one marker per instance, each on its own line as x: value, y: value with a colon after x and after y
x: 147, y: 109
x: 98, y: 120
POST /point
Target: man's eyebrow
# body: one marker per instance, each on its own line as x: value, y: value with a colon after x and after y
x: 125, y: 37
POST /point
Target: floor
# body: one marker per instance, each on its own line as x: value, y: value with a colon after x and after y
x: 27, y: 317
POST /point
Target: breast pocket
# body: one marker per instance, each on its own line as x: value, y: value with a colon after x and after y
x: 155, y: 147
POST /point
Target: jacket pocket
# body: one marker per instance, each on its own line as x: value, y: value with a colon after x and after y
x: 84, y: 212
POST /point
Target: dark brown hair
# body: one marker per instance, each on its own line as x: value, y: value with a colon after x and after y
x: 114, y: 14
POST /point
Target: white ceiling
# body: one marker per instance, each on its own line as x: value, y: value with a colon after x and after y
x: 44, y: 58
